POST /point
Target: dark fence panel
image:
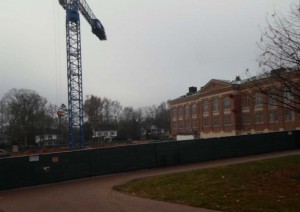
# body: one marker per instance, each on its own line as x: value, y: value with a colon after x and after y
x: 62, y: 166
x: 283, y: 140
x: 205, y: 150
x: 77, y: 164
x: 49, y: 168
x: 187, y: 151
x: 3, y: 164
x: 228, y: 147
x: 113, y: 160
x: 145, y: 156
x: 256, y: 144
x: 167, y: 153
x: 17, y: 172
x: 195, y: 151
x: 297, y: 137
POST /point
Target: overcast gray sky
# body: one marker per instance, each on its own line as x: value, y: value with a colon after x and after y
x: 155, y: 50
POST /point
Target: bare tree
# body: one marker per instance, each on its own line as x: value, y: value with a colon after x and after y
x: 149, y: 114
x: 158, y: 116
x: 280, y: 58
x: 163, y: 116
x: 111, y: 111
x: 116, y: 109
x: 93, y: 107
x: 130, y: 123
x: 102, y: 112
x: 25, y: 111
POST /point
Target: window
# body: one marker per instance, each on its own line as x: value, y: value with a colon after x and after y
x: 195, y: 123
x: 216, y: 105
x: 273, y: 116
x: 227, y: 120
x: 226, y: 103
x: 194, y: 110
x: 174, y: 112
x: 216, y: 121
x: 258, y: 99
x: 272, y: 97
x: 174, y: 124
x: 187, y: 111
x: 245, y: 101
x: 259, y: 118
x: 205, y: 106
x: 180, y: 124
x: 272, y: 101
x: 288, y: 115
x: 288, y: 97
x: 187, y: 124
x: 246, y: 118
x: 206, y: 122
x: 180, y: 112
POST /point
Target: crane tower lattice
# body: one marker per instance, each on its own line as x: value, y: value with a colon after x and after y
x: 74, y: 66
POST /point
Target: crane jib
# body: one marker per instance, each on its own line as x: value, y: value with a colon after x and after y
x: 73, y: 16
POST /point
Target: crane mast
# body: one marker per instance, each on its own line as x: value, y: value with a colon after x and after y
x: 74, y: 65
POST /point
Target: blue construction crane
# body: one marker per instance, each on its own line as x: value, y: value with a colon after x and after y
x: 74, y: 67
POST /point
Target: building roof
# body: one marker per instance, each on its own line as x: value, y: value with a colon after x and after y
x: 217, y: 85
x: 213, y: 84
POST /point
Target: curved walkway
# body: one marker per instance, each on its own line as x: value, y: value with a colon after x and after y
x: 96, y: 193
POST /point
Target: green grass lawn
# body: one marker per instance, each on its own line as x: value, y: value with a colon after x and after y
x: 267, y: 185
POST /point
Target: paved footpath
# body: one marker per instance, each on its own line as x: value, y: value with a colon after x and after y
x: 96, y: 193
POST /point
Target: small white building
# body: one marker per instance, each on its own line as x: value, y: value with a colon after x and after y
x: 106, y: 135
x: 46, y: 139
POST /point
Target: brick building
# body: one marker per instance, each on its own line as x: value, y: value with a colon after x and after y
x: 228, y: 108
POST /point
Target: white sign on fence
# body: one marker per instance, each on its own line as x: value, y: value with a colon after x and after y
x: 34, y: 158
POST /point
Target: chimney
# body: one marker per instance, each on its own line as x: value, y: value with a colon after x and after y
x: 237, y: 78
x: 192, y: 90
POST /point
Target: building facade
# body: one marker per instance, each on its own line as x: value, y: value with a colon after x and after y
x: 223, y: 108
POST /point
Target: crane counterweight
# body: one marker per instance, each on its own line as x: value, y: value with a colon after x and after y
x: 98, y: 29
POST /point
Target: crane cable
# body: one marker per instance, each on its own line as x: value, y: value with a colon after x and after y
x: 57, y: 55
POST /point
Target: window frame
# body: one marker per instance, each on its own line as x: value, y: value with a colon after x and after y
x: 227, y: 103
x: 216, y: 105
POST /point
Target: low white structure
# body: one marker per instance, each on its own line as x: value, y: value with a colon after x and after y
x: 48, y: 139
x: 185, y: 137
x: 106, y: 135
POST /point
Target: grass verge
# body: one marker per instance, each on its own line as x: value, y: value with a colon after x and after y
x: 267, y: 185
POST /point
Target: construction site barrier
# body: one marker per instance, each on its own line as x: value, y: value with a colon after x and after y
x: 34, y: 170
